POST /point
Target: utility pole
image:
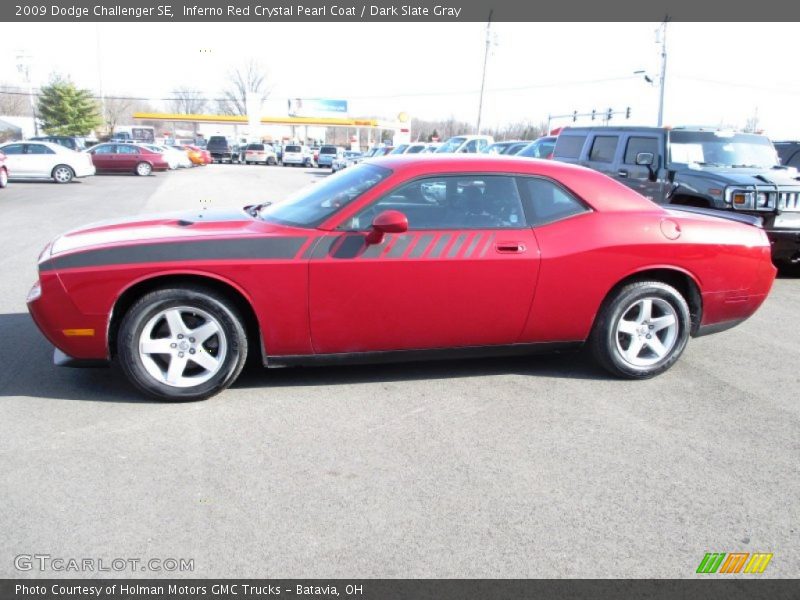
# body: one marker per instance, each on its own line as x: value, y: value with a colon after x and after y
x: 24, y: 69
x: 662, y: 79
x: 483, y: 77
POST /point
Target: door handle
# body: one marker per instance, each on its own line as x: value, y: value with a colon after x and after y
x: 510, y: 247
x: 622, y: 173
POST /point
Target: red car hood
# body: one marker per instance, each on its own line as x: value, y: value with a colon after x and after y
x: 178, y: 226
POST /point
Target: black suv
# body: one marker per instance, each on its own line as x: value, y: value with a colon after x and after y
x: 68, y: 141
x: 222, y: 149
x: 789, y: 153
x: 697, y: 167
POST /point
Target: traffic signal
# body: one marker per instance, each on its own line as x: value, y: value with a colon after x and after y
x: 593, y: 114
x: 574, y: 116
x: 609, y: 114
x: 628, y: 113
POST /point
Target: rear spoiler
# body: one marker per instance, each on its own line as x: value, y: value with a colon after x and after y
x: 720, y: 214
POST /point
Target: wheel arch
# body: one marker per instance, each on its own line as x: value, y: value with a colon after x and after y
x: 235, y: 294
x: 681, y: 279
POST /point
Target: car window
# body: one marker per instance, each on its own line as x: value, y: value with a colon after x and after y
x: 640, y: 144
x: 546, y: 201
x: 12, y: 149
x: 38, y: 149
x: 451, y: 202
x: 569, y: 146
x: 472, y: 146
x: 105, y: 149
x: 603, y: 148
x: 255, y: 146
x: 328, y: 150
x: 292, y: 148
x: 127, y: 149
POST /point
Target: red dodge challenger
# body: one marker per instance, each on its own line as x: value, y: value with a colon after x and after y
x: 398, y: 258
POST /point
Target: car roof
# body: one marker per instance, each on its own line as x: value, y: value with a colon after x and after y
x: 51, y: 145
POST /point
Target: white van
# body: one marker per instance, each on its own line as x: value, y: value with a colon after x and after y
x: 471, y: 144
x: 295, y: 154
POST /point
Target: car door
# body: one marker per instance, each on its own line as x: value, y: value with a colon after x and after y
x: 602, y: 153
x: 127, y: 157
x: 647, y: 180
x: 40, y: 159
x: 462, y: 275
x: 16, y: 161
x: 103, y: 157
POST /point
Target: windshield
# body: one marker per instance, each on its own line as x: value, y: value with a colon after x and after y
x: 451, y: 145
x: 313, y: 204
x: 721, y: 149
x: 538, y: 149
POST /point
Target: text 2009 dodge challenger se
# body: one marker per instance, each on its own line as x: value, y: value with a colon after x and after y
x: 399, y: 258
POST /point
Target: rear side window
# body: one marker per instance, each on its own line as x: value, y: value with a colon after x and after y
x: 640, y: 144
x: 603, y: 148
x: 39, y: 149
x: 12, y: 149
x: 569, y: 146
x: 546, y: 202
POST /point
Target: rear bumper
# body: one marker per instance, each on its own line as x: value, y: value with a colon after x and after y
x: 785, y: 244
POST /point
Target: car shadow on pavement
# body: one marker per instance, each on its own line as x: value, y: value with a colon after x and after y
x: 29, y: 371
x: 568, y: 365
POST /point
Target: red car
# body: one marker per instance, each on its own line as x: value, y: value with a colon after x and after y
x: 3, y: 171
x: 126, y: 158
x: 397, y: 258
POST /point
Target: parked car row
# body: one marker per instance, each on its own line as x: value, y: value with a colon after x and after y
x: 39, y: 159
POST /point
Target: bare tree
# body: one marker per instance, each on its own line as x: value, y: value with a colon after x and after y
x: 249, y: 79
x: 187, y: 101
x: 119, y: 111
x: 13, y: 101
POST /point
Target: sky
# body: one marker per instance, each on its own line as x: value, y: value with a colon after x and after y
x: 717, y: 73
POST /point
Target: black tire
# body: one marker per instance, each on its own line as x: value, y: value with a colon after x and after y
x: 143, y: 169
x: 201, y: 299
x: 607, y: 343
x: 62, y: 174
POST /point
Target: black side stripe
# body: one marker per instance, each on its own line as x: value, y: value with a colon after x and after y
x: 252, y: 248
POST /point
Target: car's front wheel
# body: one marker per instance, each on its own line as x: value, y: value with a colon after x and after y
x: 3, y: 178
x: 144, y: 169
x: 182, y: 343
x: 641, y: 330
x: 63, y: 174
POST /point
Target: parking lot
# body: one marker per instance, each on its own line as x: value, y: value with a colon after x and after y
x: 523, y: 467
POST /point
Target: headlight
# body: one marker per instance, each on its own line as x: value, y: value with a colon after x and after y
x: 35, y: 292
x: 765, y: 201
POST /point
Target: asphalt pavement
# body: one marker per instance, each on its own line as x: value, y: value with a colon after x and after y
x: 523, y: 467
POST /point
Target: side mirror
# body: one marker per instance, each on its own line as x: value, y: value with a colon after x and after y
x: 645, y: 159
x: 389, y: 221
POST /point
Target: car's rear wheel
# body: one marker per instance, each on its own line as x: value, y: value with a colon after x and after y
x: 3, y: 178
x: 182, y: 343
x: 143, y: 169
x: 63, y: 174
x: 641, y: 330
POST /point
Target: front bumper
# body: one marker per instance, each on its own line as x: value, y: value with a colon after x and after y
x: 785, y: 245
x: 78, y: 335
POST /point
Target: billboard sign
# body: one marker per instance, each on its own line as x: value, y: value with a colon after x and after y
x: 317, y: 107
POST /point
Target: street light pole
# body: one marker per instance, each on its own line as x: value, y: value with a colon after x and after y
x: 24, y: 68
x: 663, y: 77
x: 483, y: 77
